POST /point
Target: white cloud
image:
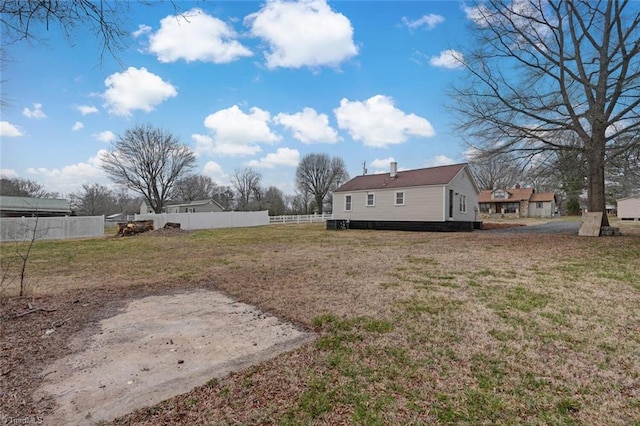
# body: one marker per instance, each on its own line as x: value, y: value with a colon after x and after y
x: 430, y: 21
x: 106, y: 136
x: 215, y: 172
x: 308, y: 126
x: 450, y: 59
x: 379, y: 166
x: 303, y: 34
x: 77, y: 126
x: 135, y: 89
x: 196, y: 36
x: 36, y: 112
x: 8, y: 130
x: 440, y: 160
x: 235, y: 132
x: 378, y: 123
x: 70, y: 178
x: 382, y: 163
x: 142, y: 30
x: 87, y: 109
x: 8, y: 173
x: 282, y: 157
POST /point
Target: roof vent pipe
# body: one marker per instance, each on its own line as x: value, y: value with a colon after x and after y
x: 394, y: 169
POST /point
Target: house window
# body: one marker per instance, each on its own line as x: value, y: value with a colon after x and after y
x: 499, y: 194
x: 538, y: 205
x: 463, y: 203
x: 347, y: 203
x: 511, y: 207
x: 485, y: 207
x: 371, y: 199
x: 191, y: 209
x: 400, y: 198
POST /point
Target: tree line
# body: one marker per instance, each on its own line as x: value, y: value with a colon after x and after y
x: 151, y: 165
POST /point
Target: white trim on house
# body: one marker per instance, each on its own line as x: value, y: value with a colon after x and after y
x: 348, y: 202
x: 371, y: 199
x: 462, y: 203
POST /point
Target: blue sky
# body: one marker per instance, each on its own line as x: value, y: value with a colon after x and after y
x: 257, y: 84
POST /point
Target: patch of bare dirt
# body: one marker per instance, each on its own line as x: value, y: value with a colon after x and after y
x: 86, y: 348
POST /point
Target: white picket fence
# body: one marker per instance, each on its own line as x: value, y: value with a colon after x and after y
x: 50, y: 228
x: 210, y: 220
x: 310, y: 218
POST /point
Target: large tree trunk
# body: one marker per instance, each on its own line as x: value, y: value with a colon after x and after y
x: 319, y: 203
x: 595, y: 177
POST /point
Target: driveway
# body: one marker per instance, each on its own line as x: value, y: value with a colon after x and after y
x: 553, y: 227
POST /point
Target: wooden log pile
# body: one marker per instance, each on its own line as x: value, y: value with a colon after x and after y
x: 133, y: 227
x: 171, y: 225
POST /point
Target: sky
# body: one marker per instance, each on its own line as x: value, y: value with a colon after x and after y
x: 244, y: 84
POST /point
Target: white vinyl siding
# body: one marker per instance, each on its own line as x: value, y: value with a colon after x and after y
x: 421, y: 203
x: 629, y: 208
x: 541, y: 209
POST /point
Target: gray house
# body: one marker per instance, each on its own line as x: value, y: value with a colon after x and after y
x: 33, y: 207
x: 443, y: 198
x: 198, y: 206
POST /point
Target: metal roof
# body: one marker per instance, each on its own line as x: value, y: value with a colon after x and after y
x: 20, y: 204
x: 440, y: 175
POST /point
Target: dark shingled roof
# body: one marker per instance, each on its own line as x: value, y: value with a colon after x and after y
x: 441, y: 175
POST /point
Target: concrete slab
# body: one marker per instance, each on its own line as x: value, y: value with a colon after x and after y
x: 159, y: 347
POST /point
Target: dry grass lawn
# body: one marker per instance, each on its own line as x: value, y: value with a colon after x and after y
x: 414, y: 328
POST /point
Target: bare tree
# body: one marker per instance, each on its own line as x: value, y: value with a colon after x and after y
x: 543, y: 70
x: 317, y: 174
x: 148, y: 161
x: 25, y: 20
x: 24, y: 234
x: 19, y: 187
x: 623, y: 174
x: 492, y: 171
x: 224, y: 196
x: 274, y: 200
x: 93, y: 200
x: 125, y: 201
x: 245, y: 181
x: 194, y: 187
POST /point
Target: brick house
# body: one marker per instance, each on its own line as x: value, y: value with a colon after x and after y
x: 517, y: 202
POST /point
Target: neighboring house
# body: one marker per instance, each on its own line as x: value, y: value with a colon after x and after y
x: 629, y: 208
x: 441, y: 198
x: 198, y: 206
x: 517, y: 202
x: 33, y: 207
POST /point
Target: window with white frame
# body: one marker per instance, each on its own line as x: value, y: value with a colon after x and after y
x: 371, y: 199
x: 399, y: 198
x: 191, y: 209
x: 463, y: 203
x: 539, y: 205
x: 347, y: 203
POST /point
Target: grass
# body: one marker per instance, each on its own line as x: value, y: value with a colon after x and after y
x: 413, y: 328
